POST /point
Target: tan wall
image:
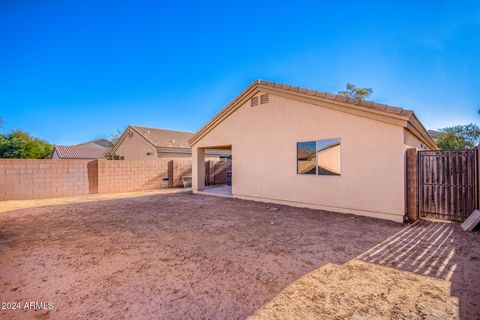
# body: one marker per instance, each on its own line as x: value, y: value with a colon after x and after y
x: 36, y: 179
x: 411, y: 141
x: 136, y: 148
x: 181, y: 168
x: 131, y: 175
x: 33, y: 179
x: 188, y: 156
x: 263, y: 140
x: 216, y: 171
x: 178, y: 156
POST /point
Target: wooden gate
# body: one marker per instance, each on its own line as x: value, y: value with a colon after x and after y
x: 448, y: 182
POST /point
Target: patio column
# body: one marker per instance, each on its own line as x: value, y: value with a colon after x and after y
x: 198, y: 169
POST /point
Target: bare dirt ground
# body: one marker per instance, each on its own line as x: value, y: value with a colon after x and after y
x: 179, y: 256
x: 172, y: 256
x: 10, y: 205
x: 359, y: 290
x: 429, y: 270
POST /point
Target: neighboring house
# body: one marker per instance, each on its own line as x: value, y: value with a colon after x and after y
x: 97, y: 143
x: 435, y: 134
x: 139, y: 142
x: 313, y: 149
x: 78, y: 152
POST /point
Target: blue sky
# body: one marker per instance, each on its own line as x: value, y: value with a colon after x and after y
x: 71, y: 71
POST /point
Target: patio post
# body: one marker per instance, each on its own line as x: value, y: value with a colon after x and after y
x: 198, y: 169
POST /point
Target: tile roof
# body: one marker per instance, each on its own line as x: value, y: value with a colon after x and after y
x: 80, y: 152
x: 165, y: 138
x: 406, y: 114
x: 335, y: 97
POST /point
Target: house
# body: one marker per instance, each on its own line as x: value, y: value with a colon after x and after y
x: 307, y: 148
x: 79, y: 152
x: 435, y: 134
x: 138, y: 142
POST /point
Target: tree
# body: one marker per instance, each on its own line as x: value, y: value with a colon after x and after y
x: 114, y: 137
x: 352, y: 91
x: 20, y: 144
x: 459, y: 137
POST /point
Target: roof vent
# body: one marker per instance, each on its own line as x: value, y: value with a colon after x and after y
x: 264, y: 98
x: 254, y: 101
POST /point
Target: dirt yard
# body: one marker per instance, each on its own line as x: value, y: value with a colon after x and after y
x: 170, y: 256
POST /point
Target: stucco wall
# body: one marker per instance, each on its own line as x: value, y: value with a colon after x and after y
x: 136, y: 148
x: 411, y: 141
x: 179, y: 156
x: 263, y: 140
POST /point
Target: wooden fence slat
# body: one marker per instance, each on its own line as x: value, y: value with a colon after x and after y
x: 448, y: 183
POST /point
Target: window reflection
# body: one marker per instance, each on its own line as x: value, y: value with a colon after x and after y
x: 328, y: 156
x: 306, y: 159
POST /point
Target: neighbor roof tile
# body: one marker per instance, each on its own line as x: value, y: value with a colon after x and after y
x: 80, y: 152
x: 165, y: 138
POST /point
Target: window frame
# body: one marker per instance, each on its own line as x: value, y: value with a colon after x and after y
x: 316, y: 169
x: 316, y: 157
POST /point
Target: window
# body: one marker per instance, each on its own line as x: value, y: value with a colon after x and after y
x: 122, y: 158
x: 328, y: 157
x: 149, y: 153
x: 254, y: 101
x: 130, y: 135
x: 321, y: 157
x: 306, y: 159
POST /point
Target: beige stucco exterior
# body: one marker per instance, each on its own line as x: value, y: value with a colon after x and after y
x: 263, y: 139
x: 135, y: 147
x: 411, y: 141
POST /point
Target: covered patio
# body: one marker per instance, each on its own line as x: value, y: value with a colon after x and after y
x: 199, y: 179
x: 221, y: 191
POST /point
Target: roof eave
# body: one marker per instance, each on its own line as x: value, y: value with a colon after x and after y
x: 415, y: 127
x: 124, y: 135
x: 395, y: 116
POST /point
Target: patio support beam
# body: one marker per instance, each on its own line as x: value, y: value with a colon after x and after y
x: 198, y: 169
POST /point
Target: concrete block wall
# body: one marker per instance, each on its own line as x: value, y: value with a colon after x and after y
x: 37, y: 179
x: 220, y: 169
x: 181, y: 168
x: 216, y: 171
x: 34, y: 179
x: 131, y: 175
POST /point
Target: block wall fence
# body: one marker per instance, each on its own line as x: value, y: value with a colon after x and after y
x: 36, y: 179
